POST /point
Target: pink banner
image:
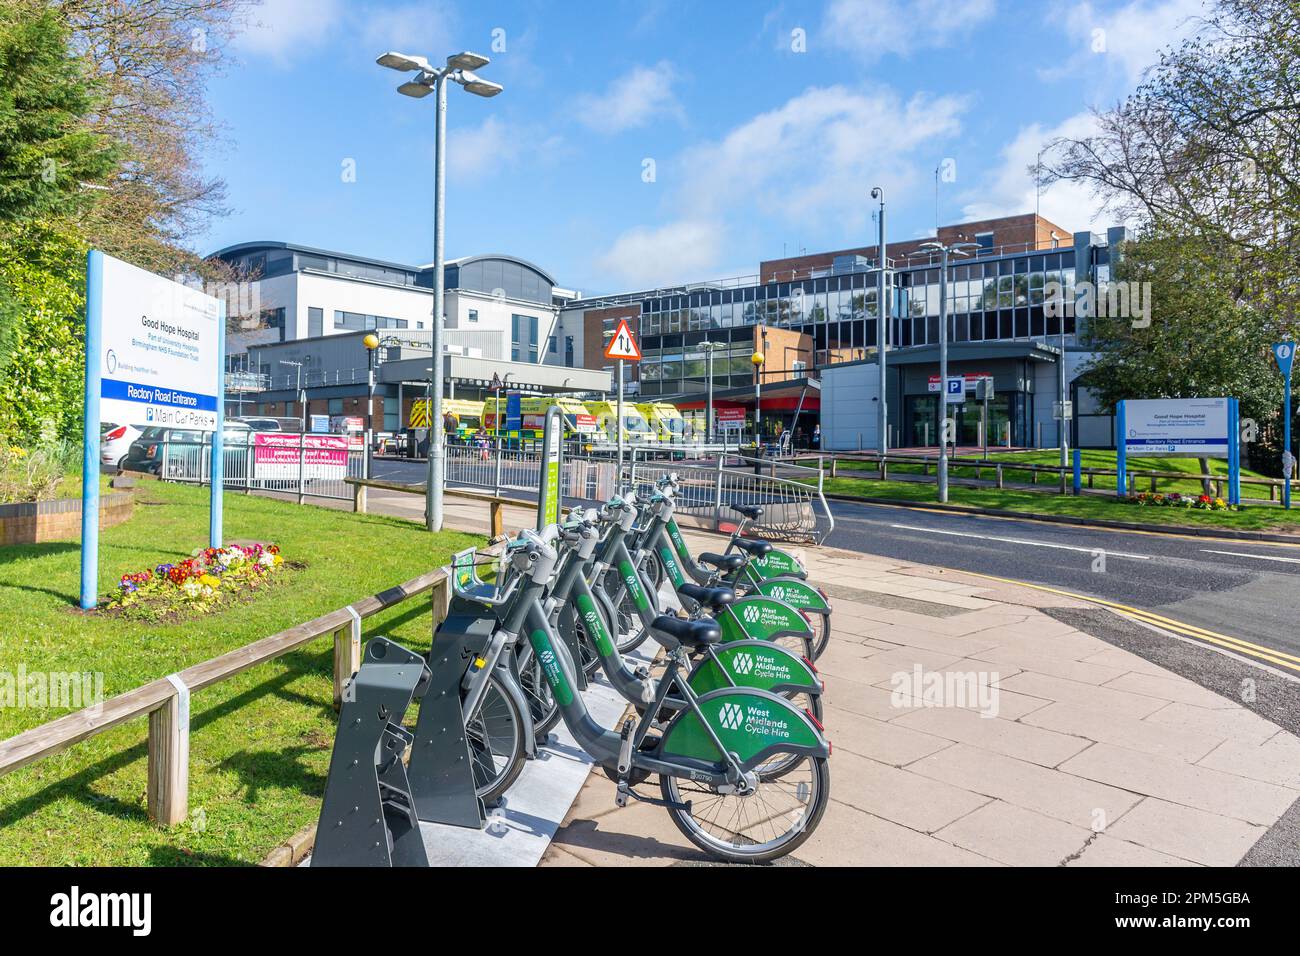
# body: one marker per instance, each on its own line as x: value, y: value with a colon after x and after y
x: 279, y: 449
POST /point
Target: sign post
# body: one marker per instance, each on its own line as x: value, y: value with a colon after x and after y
x: 1284, y: 354
x: 623, y: 348
x: 549, y: 495
x: 154, y: 357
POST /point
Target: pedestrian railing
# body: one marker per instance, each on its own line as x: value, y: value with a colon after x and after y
x: 307, y: 465
x: 791, y: 495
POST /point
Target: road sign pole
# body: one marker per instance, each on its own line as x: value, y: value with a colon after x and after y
x: 219, y: 437
x: 1286, y: 439
x: 1121, y: 458
x: 90, y: 432
x: 619, y: 426
x: 1284, y: 354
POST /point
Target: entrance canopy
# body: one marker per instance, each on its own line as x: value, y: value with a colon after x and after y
x: 478, y: 372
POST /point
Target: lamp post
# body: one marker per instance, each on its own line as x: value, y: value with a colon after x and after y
x: 944, y: 250
x: 758, y: 359
x: 300, y: 394
x: 371, y: 342
x: 430, y: 79
x: 882, y: 322
x: 708, y: 414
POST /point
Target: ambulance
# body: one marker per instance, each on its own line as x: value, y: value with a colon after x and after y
x: 665, y: 420
x: 636, y: 430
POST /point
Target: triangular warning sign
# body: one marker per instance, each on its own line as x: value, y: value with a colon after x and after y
x: 622, y: 345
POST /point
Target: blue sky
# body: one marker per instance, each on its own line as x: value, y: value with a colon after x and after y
x: 640, y: 143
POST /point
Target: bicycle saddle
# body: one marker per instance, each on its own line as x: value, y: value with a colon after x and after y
x: 752, y: 512
x: 723, y: 562
x: 673, y: 631
x: 753, y: 546
x: 710, y: 598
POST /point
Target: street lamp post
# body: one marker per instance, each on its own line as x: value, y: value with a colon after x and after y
x: 708, y: 415
x: 430, y: 79
x: 371, y: 343
x: 299, y: 393
x: 944, y: 250
x: 882, y: 323
x: 758, y: 359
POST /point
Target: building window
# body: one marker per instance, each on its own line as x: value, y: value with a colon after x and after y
x: 568, y: 351
x: 473, y: 315
x: 985, y: 241
x: 523, y: 338
x: 551, y: 345
x: 315, y: 322
x: 358, y: 322
x: 335, y: 406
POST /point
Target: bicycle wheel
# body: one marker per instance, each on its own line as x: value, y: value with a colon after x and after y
x: 496, y: 742
x: 541, y: 702
x: 821, y: 625
x: 768, y: 823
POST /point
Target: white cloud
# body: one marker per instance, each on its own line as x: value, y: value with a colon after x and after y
x: 1123, y: 41
x: 279, y: 29
x: 817, y: 156
x: 645, y: 257
x: 873, y: 28
x: 1009, y: 189
x: 633, y: 99
x: 478, y: 152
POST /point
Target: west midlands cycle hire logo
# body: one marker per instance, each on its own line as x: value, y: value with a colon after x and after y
x: 730, y: 716
x: 742, y: 664
x: 750, y: 613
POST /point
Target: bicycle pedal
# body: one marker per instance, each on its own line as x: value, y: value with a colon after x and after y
x: 642, y: 672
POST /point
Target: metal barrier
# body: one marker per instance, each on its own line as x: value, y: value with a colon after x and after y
x: 791, y: 495
x: 794, y: 508
x: 310, y: 466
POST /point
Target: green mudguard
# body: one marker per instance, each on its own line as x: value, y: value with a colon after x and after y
x: 758, y: 664
x: 762, y: 618
x: 777, y: 564
x: 796, y: 593
x: 755, y: 725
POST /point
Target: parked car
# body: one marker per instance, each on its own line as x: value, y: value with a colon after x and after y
x: 186, y: 446
x: 114, y: 443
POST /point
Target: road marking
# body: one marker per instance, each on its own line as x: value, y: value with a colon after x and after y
x: 1262, y: 557
x: 1234, y: 644
x: 1037, y: 544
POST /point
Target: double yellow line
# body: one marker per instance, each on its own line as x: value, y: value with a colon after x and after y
x: 1234, y: 644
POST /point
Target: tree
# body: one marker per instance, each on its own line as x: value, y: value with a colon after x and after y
x: 154, y: 59
x: 1205, y: 157
x: 50, y: 159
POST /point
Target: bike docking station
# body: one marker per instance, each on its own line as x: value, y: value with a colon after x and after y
x: 368, y: 816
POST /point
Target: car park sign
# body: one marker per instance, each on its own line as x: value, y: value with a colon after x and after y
x: 159, y: 362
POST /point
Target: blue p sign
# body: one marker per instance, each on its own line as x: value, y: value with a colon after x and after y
x: 1284, y: 353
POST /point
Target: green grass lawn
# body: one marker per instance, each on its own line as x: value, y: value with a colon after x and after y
x: 1090, y: 459
x: 260, y: 742
x: 1250, y: 518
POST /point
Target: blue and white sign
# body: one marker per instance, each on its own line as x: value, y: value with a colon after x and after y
x: 159, y: 350
x: 1284, y: 353
x: 1177, y: 427
x: 956, y: 391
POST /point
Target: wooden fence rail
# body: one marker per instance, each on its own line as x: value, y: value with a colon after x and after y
x: 166, y: 701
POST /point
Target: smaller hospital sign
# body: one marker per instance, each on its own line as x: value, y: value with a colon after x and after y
x: 1172, y: 427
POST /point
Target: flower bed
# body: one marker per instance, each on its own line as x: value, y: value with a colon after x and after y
x: 1176, y: 500
x: 200, y: 583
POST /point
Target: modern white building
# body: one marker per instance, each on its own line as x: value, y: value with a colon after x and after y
x: 500, y: 312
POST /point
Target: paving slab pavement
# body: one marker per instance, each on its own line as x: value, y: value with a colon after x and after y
x: 1079, y: 753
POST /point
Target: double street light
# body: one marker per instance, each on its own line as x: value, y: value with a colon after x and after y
x: 958, y: 248
x: 428, y: 79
